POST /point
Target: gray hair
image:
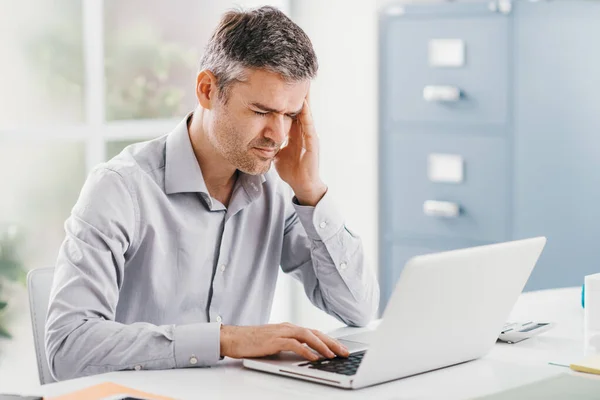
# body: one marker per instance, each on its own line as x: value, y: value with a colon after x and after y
x: 262, y: 38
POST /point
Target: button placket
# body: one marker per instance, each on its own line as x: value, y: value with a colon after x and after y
x: 222, y: 266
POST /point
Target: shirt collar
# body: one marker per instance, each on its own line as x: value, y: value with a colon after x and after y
x: 182, y: 170
x: 252, y: 184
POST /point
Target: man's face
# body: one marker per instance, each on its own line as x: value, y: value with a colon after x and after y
x: 253, y: 124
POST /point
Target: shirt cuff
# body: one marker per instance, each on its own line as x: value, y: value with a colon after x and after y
x: 322, y: 221
x: 197, y: 345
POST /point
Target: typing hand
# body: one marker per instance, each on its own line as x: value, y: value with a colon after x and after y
x: 264, y: 340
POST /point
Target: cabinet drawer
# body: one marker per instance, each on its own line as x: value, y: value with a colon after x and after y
x: 414, y: 58
x: 481, y: 198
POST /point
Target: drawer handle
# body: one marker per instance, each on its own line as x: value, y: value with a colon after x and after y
x: 441, y: 93
x: 446, y: 209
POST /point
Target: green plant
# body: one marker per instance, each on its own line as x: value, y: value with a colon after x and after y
x: 11, y: 269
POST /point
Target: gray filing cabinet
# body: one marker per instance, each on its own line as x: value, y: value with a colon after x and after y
x: 490, y: 131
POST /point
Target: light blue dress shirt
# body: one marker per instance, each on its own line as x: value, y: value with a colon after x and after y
x: 152, y: 265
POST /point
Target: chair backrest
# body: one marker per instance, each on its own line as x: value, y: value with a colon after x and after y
x: 39, y: 283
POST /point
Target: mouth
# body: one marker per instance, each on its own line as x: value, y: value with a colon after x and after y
x: 266, y: 152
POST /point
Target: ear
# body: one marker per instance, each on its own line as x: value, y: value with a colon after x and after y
x: 206, y: 88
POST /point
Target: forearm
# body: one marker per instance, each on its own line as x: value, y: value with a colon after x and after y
x: 348, y: 287
x: 330, y: 262
x: 93, y: 346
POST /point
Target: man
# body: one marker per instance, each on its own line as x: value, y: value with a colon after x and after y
x: 172, y: 251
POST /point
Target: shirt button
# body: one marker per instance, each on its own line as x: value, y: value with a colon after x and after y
x: 193, y: 360
x: 219, y: 319
x: 323, y: 224
x: 137, y: 367
x: 343, y: 266
x: 222, y: 267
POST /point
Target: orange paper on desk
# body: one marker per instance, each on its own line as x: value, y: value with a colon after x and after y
x: 590, y: 365
x: 103, y: 390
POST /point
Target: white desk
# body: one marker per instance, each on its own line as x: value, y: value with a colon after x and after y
x: 504, y: 367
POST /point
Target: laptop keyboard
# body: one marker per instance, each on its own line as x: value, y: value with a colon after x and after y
x: 349, y: 366
x: 338, y: 365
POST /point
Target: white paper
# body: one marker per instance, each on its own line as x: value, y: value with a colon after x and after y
x: 448, y: 53
x: 448, y: 168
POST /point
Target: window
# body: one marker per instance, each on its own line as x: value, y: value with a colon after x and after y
x: 85, y: 79
x: 42, y: 63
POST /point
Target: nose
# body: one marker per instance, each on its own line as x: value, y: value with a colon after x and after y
x: 277, y: 130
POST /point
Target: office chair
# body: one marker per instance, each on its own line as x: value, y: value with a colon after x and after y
x: 39, y: 283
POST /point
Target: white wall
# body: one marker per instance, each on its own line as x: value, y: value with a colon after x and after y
x: 344, y: 106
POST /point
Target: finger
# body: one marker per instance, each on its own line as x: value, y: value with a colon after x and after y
x: 309, y: 135
x: 333, y: 344
x: 291, y: 344
x: 306, y: 336
x: 294, y: 139
x: 306, y: 119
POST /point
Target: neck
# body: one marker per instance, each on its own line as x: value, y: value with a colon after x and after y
x: 218, y: 174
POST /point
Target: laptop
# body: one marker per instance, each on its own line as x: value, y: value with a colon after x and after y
x: 446, y: 309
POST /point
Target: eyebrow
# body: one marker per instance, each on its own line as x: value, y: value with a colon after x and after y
x: 269, y: 109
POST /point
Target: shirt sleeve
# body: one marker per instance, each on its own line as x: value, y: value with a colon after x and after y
x: 82, y: 336
x: 322, y: 253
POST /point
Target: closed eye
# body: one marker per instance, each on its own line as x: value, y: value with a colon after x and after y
x: 262, y: 114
